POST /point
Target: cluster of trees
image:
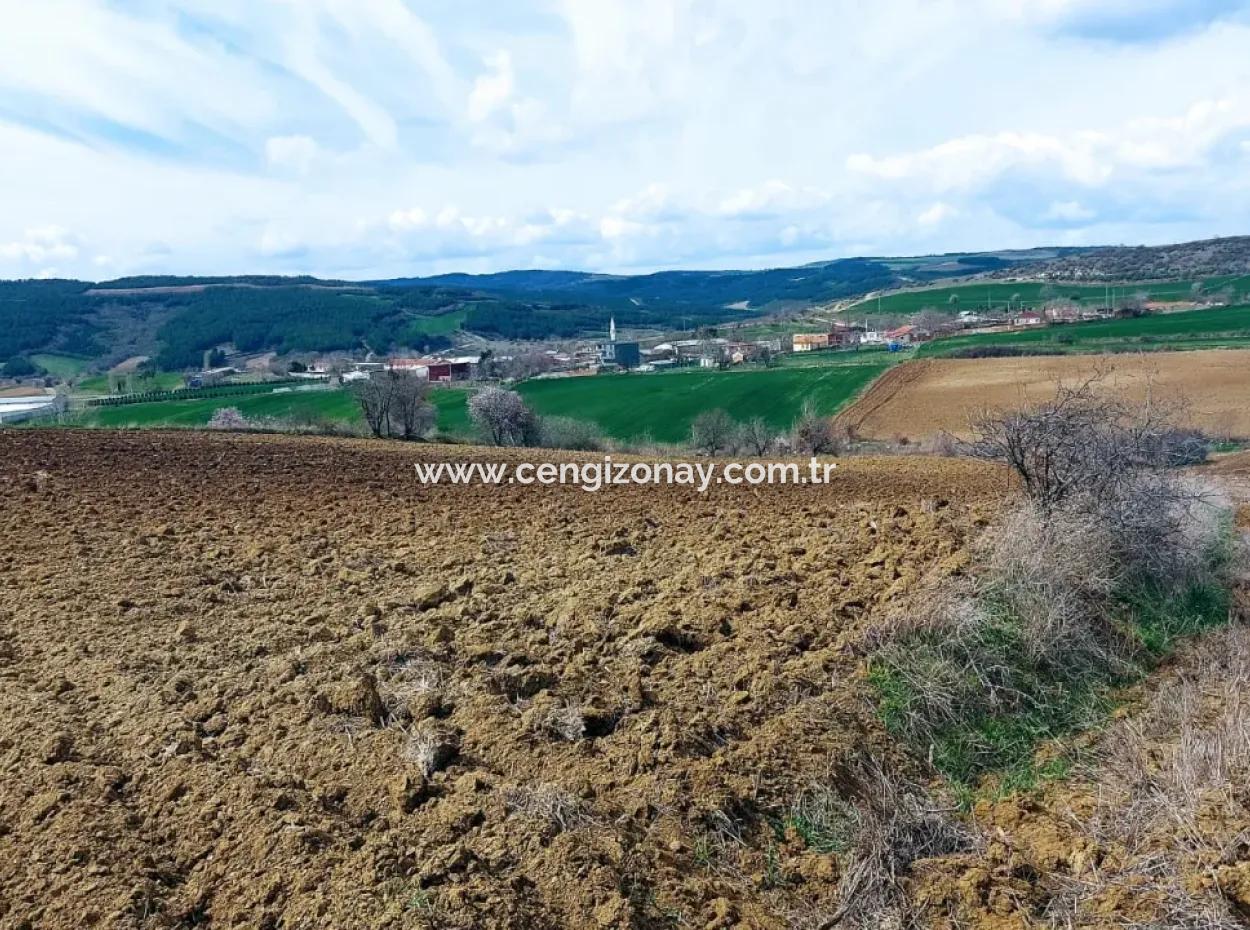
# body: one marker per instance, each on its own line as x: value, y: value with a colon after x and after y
x: 1208, y: 258
x: 19, y: 366
x: 395, y: 405
x: 715, y: 432
x: 42, y: 316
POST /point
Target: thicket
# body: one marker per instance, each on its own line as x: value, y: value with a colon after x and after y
x: 1110, y: 559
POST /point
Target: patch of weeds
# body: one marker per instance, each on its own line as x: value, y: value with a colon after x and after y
x: 822, y: 820
x: 1035, y: 653
x: 420, y: 901
x: 774, y: 877
x: 705, y: 852
x: 1160, y: 620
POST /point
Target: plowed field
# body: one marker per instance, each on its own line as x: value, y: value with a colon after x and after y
x: 251, y: 681
x: 265, y: 682
x: 921, y: 399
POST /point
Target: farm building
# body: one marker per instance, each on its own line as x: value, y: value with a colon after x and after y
x: 437, y: 370
x: 28, y: 407
x: 809, y: 342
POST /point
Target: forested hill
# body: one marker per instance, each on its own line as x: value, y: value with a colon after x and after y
x: 175, y: 318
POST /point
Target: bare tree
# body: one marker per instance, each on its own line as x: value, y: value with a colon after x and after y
x: 411, y: 413
x: 502, y: 417
x: 712, y: 431
x: 375, y: 397
x: 933, y: 322
x: 757, y: 436
x: 394, y: 404
x: 814, y: 434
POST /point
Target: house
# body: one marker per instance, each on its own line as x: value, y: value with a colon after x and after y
x: 1063, y: 313
x: 436, y: 370
x: 903, y: 336
x: 29, y: 406
x: 845, y: 338
x: 810, y: 342
x: 872, y: 337
x: 1028, y: 318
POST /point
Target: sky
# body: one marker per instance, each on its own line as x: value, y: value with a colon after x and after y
x: 383, y: 138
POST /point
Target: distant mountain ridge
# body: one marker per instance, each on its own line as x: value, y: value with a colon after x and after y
x: 175, y: 318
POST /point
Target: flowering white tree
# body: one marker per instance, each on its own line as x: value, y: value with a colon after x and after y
x: 228, y: 418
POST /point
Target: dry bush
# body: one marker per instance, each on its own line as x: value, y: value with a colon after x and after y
x: 1068, y: 600
x: 394, y: 404
x: 896, y: 824
x: 1171, y: 778
x: 429, y: 749
x: 757, y: 437
x: 713, y: 432
x: 561, y: 721
x: 1085, y: 444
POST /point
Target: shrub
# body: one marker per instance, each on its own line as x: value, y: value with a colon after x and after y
x: 19, y: 366
x: 1110, y: 559
x: 895, y: 824
x: 569, y: 433
x: 1080, y: 442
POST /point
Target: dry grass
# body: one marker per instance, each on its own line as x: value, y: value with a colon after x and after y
x: 549, y: 803
x: 896, y: 824
x: 1172, y: 780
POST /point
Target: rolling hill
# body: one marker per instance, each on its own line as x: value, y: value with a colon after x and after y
x: 174, y: 319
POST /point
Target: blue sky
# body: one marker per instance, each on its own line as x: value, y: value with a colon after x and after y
x: 369, y: 138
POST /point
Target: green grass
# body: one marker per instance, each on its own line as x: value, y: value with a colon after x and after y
x: 1219, y: 327
x: 442, y: 325
x: 623, y: 406
x: 664, y: 405
x: 453, y: 411
x: 334, y: 405
x: 978, y: 296
x: 1040, y: 704
x: 158, y: 381
x: 60, y: 366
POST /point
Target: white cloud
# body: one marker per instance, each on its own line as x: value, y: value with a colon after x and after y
x: 1087, y: 157
x: 294, y: 153
x: 41, y: 245
x: 936, y: 214
x: 772, y: 198
x: 1069, y: 211
x: 493, y: 89
x: 330, y: 136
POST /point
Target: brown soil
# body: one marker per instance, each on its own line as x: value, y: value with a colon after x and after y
x: 269, y: 682
x: 251, y: 681
x: 920, y: 399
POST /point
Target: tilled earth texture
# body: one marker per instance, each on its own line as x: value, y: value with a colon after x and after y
x: 921, y: 399
x: 268, y: 682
